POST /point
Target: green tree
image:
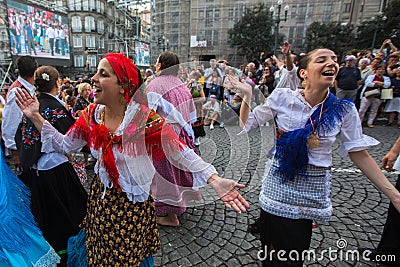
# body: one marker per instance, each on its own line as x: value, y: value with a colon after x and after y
x: 365, y: 33
x: 252, y: 34
x: 391, y: 28
x: 385, y: 29
x: 334, y: 36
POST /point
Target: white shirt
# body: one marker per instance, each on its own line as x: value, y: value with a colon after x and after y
x: 290, y: 112
x: 135, y: 173
x: 288, y: 79
x: 209, y: 71
x: 212, y: 107
x: 50, y: 32
x: 52, y: 159
x: 12, y: 114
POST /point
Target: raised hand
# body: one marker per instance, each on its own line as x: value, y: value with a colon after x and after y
x: 243, y: 87
x: 285, y: 48
x: 226, y: 189
x: 28, y: 104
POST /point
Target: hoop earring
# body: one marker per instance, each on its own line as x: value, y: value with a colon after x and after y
x: 304, y: 83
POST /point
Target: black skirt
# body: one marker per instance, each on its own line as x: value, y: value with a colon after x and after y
x: 58, y: 203
x: 198, y: 127
x: 279, y: 233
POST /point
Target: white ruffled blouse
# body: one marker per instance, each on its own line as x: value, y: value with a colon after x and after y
x: 135, y: 173
x: 291, y: 111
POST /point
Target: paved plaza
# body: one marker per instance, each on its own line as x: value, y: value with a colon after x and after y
x: 211, y: 235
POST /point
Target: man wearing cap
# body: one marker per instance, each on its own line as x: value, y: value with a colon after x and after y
x: 348, y: 79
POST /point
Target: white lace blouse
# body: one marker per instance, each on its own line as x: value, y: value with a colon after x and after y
x: 135, y: 173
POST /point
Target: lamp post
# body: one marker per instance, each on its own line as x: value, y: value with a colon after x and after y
x: 277, y: 20
x: 380, y: 20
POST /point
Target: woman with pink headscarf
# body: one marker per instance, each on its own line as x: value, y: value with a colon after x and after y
x: 125, y: 136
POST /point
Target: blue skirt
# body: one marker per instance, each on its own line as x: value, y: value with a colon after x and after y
x: 21, y: 241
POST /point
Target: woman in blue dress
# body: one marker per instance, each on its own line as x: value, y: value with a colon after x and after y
x: 21, y: 242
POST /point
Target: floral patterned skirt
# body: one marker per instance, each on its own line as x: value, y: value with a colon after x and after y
x: 119, y: 232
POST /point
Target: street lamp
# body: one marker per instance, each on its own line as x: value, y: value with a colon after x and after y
x: 278, y: 20
x: 378, y: 25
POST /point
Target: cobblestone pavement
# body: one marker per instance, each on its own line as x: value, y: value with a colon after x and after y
x: 211, y: 235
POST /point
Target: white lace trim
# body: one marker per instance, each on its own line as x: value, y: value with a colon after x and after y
x: 295, y: 212
x: 49, y: 259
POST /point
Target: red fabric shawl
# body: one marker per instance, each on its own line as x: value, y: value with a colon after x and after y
x: 147, y: 133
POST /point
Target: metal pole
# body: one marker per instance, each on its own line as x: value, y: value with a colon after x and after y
x: 278, y: 21
x: 276, y: 36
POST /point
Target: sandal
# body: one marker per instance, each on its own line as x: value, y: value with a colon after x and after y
x: 388, y: 124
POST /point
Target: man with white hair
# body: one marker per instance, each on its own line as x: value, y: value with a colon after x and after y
x: 208, y: 75
x: 148, y: 76
x: 348, y: 79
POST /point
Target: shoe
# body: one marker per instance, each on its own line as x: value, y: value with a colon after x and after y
x: 389, y: 124
x: 222, y: 125
x: 370, y: 125
x: 196, y: 141
x: 211, y: 126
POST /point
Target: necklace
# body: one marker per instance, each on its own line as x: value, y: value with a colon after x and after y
x: 313, y: 138
x: 110, y: 134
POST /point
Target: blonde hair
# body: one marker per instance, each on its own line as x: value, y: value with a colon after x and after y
x: 82, y: 87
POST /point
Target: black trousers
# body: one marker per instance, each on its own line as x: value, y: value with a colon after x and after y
x: 282, y: 234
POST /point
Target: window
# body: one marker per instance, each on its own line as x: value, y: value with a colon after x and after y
x: 90, y: 41
x: 76, y: 24
x: 78, y: 4
x: 102, y: 7
x: 85, y: 5
x: 201, y: 13
x: 209, y: 22
x: 98, y: 5
x: 215, y: 37
x: 347, y: 7
x: 78, y: 61
x: 100, y: 26
x: 77, y: 41
x: 101, y: 43
x: 89, y: 24
x: 328, y: 7
x: 231, y: 12
x: 71, y: 5
x: 216, y: 13
x: 92, y: 60
x: 92, y: 5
